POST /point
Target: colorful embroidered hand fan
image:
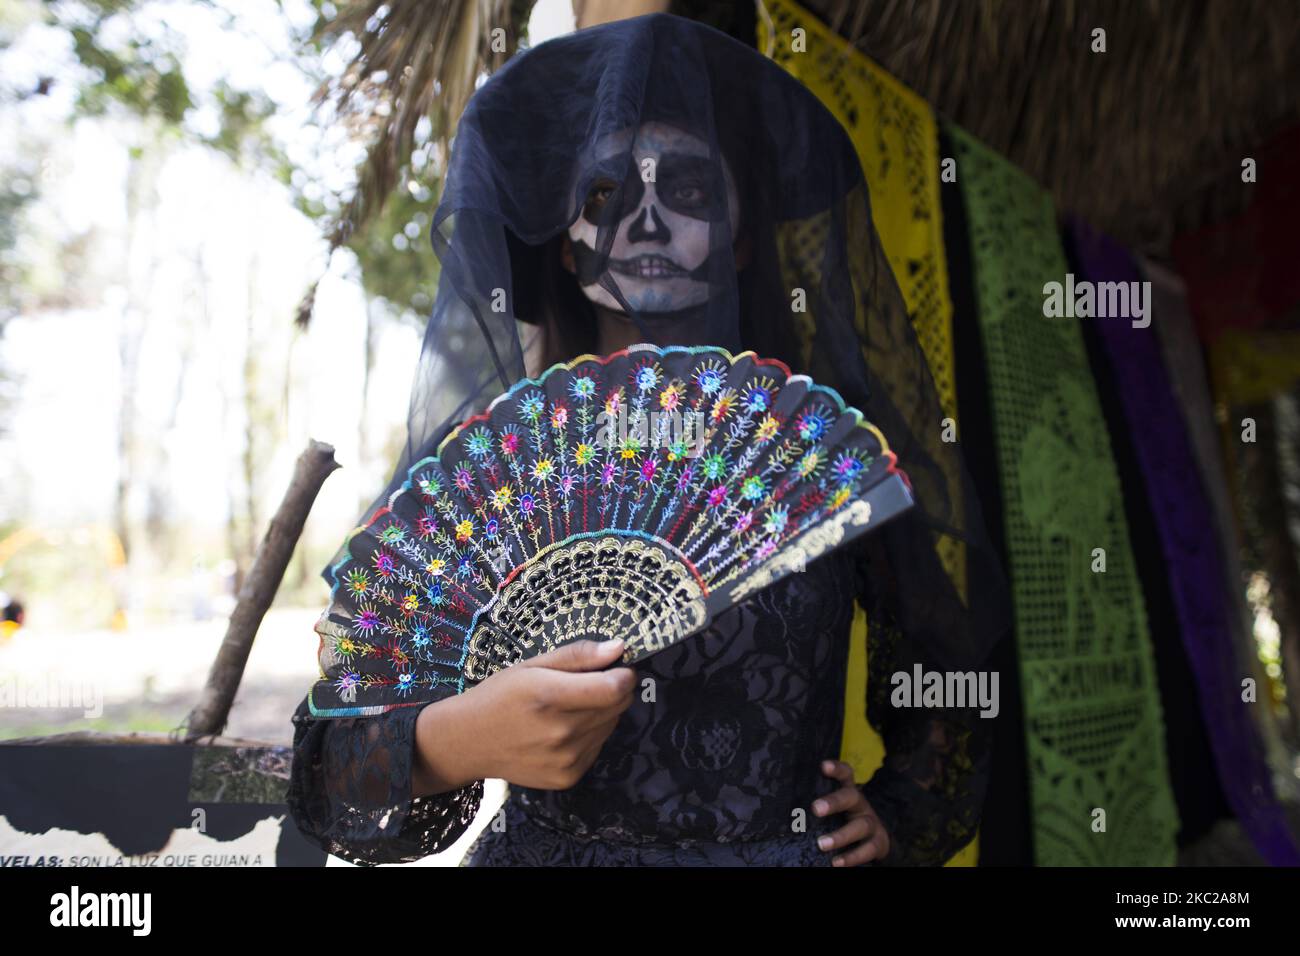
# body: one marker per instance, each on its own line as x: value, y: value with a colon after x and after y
x: 636, y: 496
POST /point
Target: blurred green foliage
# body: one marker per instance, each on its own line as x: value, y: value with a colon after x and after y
x: 142, y: 71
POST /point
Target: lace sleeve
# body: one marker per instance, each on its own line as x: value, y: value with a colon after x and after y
x: 929, y: 792
x: 350, y: 790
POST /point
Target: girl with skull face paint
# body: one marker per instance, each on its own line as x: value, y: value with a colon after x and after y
x: 660, y: 217
x: 653, y: 180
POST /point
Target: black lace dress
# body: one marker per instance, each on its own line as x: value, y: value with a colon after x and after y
x: 717, y: 761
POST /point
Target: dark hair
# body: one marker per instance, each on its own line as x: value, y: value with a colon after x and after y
x: 13, y: 611
x: 566, y: 316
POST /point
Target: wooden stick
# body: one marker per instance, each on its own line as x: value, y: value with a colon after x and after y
x: 149, y: 738
x: 314, y: 465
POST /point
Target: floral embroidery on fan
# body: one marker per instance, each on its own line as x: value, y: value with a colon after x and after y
x: 531, y: 475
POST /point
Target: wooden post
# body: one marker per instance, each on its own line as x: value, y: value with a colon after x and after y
x: 314, y: 465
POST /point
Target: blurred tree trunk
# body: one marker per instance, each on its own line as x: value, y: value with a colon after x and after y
x: 249, y: 457
x: 159, y: 510
x: 363, y: 437
x: 142, y: 170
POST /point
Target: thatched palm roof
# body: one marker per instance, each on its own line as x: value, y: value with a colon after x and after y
x: 1143, y: 140
x: 414, y: 60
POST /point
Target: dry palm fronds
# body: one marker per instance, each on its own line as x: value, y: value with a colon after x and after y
x: 1144, y: 139
x: 413, y: 60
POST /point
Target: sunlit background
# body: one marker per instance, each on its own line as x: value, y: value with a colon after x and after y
x: 166, y: 185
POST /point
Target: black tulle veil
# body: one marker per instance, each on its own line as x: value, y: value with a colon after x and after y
x: 803, y: 278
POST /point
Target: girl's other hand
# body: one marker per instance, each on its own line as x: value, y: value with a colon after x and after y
x: 864, y: 834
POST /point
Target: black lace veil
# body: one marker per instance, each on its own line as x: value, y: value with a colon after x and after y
x: 658, y: 172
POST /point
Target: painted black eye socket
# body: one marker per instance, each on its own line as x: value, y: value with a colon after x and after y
x: 694, y: 195
x: 692, y: 186
x: 600, y: 192
x: 607, y: 201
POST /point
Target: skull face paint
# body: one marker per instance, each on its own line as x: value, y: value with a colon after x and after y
x: 660, y: 254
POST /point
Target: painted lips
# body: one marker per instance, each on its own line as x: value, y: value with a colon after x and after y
x: 648, y: 267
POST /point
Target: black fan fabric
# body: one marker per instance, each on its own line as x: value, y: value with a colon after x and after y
x: 655, y: 180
